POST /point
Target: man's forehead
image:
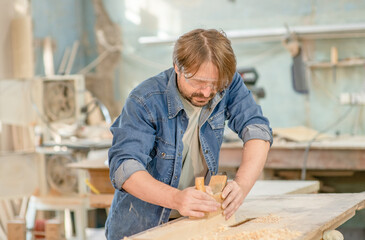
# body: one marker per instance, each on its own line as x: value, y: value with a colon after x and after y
x: 204, y: 78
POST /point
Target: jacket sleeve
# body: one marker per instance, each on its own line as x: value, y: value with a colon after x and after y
x: 244, y: 115
x: 133, y: 140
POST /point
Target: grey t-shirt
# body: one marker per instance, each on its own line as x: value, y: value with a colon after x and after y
x: 193, y: 164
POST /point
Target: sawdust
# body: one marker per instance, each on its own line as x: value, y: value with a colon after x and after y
x: 265, y: 234
x: 221, y: 228
x: 222, y: 232
x: 261, y: 234
x: 267, y: 219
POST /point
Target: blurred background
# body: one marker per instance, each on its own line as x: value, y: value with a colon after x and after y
x: 67, y: 67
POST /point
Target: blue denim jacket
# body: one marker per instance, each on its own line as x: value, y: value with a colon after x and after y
x: 148, y: 137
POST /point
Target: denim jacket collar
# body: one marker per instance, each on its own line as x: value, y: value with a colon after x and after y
x: 173, y: 100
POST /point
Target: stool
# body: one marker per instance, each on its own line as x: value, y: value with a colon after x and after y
x: 77, y: 204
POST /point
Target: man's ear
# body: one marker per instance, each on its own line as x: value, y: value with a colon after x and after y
x: 176, y: 69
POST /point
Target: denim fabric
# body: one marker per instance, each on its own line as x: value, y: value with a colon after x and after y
x: 148, y: 137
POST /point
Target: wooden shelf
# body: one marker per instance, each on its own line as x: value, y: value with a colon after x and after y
x: 343, y: 63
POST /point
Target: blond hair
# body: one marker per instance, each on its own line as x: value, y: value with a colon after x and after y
x: 199, y: 46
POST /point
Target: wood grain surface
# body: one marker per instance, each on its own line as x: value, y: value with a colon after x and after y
x: 306, y: 215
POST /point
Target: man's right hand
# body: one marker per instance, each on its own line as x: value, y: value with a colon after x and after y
x: 194, y: 203
x: 189, y: 202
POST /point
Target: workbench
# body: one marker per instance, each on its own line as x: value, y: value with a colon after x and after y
x: 289, y: 217
x: 335, y: 154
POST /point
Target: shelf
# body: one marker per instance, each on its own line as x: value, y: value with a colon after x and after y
x: 343, y: 63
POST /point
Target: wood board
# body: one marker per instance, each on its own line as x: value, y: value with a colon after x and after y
x: 278, y: 187
x: 299, y: 134
x: 309, y: 215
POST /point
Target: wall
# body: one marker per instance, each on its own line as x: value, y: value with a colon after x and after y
x: 19, y: 174
x: 7, y: 12
x: 282, y: 104
x: 63, y: 21
x: 67, y: 21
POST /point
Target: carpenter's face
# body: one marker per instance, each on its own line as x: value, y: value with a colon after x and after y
x: 200, y: 88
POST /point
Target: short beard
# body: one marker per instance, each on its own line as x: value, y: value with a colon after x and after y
x: 195, y: 94
x: 199, y: 95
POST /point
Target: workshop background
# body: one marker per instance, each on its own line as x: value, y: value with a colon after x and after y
x: 67, y: 67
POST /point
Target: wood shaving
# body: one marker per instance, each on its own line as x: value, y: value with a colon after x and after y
x: 221, y: 228
x: 267, y: 219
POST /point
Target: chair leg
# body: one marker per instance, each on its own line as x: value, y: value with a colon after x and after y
x: 81, y: 223
x: 31, y: 214
x: 68, y: 224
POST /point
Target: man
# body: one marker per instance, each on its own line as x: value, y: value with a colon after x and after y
x: 170, y: 131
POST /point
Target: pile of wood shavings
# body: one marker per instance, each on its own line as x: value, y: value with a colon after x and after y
x: 260, y: 234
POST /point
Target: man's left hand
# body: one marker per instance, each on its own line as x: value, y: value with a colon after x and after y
x: 233, y: 196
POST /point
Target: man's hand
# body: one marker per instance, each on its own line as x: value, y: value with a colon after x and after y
x: 233, y: 196
x: 194, y: 203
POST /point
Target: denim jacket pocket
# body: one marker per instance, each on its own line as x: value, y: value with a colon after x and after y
x: 217, y: 123
x: 164, y: 163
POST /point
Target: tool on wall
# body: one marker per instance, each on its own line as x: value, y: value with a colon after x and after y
x: 250, y: 77
x: 298, y: 72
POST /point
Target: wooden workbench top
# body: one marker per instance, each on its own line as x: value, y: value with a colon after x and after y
x: 343, y: 142
x: 90, y: 164
x: 278, y: 187
x: 293, y: 217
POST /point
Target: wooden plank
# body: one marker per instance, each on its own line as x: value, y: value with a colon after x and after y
x: 277, y: 187
x: 2, y: 233
x: 98, y: 172
x: 298, y: 134
x: 9, y: 208
x: 89, y: 164
x: 53, y: 230
x: 4, y: 217
x: 23, y: 207
x: 326, y: 159
x: 99, y: 178
x: 183, y: 228
x: 100, y: 200
x: 16, y: 230
x: 301, y: 216
x: 336, y: 155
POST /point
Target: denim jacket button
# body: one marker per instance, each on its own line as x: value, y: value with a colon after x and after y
x: 163, y: 154
x: 206, y: 151
x: 175, y: 177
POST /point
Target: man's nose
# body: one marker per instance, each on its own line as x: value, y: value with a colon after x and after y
x: 206, y: 91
